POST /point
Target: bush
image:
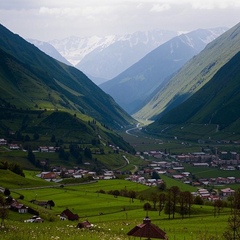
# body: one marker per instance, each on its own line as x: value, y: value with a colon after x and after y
x: 198, y: 200
x: 21, y: 197
x: 7, y: 192
x: 147, y: 206
x: 101, y: 191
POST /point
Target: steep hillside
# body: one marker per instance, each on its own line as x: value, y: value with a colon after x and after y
x: 134, y: 86
x: 217, y: 102
x: 31, y: 79
x: 194, y: 75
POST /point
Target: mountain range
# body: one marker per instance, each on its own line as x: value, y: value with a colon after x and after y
x: 132, y: 88
x: 41, y: 93
x: 102, y: 58
x: 193, y: 75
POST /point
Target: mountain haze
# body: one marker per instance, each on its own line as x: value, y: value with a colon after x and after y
x: 106, y: 57
x: 109, y: 61
x: 134, y: 86
x: 193, y: 75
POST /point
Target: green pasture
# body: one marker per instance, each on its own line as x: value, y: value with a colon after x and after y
x: 170, y: 182
x: 11, y: 180
x: 209, y: 172
x: 112, y: 217
x: 197, y: 227
x: 15, y: 156
x: 118, y: 162
x: 142, y: 141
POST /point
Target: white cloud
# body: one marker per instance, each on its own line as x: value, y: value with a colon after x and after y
x: 48, y: 19
x: 71, y: 12
x: 160, y: 7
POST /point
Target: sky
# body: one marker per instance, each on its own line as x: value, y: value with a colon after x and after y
x: 46, y: 20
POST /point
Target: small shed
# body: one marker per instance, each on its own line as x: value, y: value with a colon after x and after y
x: 85, y: 224
x: 147, y: 230
x: 69, y: 215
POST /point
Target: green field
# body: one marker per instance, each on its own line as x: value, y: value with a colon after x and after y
x: 210, y: 172
x: 116, y: 226
x: 112, y: 217
x: 11, y: 180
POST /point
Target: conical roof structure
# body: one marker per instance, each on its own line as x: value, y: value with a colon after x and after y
x: 147, y: 230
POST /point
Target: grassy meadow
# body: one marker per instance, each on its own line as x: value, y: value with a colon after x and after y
x: 111, y: 217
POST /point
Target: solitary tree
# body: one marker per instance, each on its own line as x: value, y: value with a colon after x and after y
x: 175, y: 193
x: 218, y: 205
x: 132, y: 195
x: 161, y: 202
x: 3, y: 210
x: 162, y: 186
x: 51, y: 203
x: 7, y: 192
x: 168, y: 209
x: 183, y: 203
x: 233, y: 230
x: 154, y: 198
x: 189, y: 201
x: 31, y: 157
x: 53, y: 138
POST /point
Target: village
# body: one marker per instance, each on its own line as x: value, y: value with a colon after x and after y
x: 157, y: 164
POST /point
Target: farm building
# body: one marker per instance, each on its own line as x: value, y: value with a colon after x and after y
x: 69, y: 215
x: 18, y: 207
x: 147, y: 230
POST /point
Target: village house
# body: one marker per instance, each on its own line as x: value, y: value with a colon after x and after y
x: 35, y: 219
x: 18, y: 207
x: 46, y: 149
x: 13, y: 146
x: 200, y: 164
x: 226, y: 192
x: 46, y: 204
x: 67, y: 214
x: 108, y: 175
x: 203, y: 193
x: 3, y: 141
x: 48, y: 175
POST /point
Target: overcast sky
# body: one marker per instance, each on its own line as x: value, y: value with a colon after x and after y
x: 56, y: 19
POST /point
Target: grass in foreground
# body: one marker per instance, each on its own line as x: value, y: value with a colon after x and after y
x: 201, y: 226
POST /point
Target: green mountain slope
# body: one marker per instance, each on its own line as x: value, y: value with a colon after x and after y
x: 216, y: 103
x: 31, y: 79
x: 193, y: 75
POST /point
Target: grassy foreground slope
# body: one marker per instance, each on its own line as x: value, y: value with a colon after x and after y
x: 111, y: 217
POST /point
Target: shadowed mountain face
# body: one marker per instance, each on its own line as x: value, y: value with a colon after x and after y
x: 29, y: 78
x: 135, y: 86
x: 217, y: 102
x: 193, y: 75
